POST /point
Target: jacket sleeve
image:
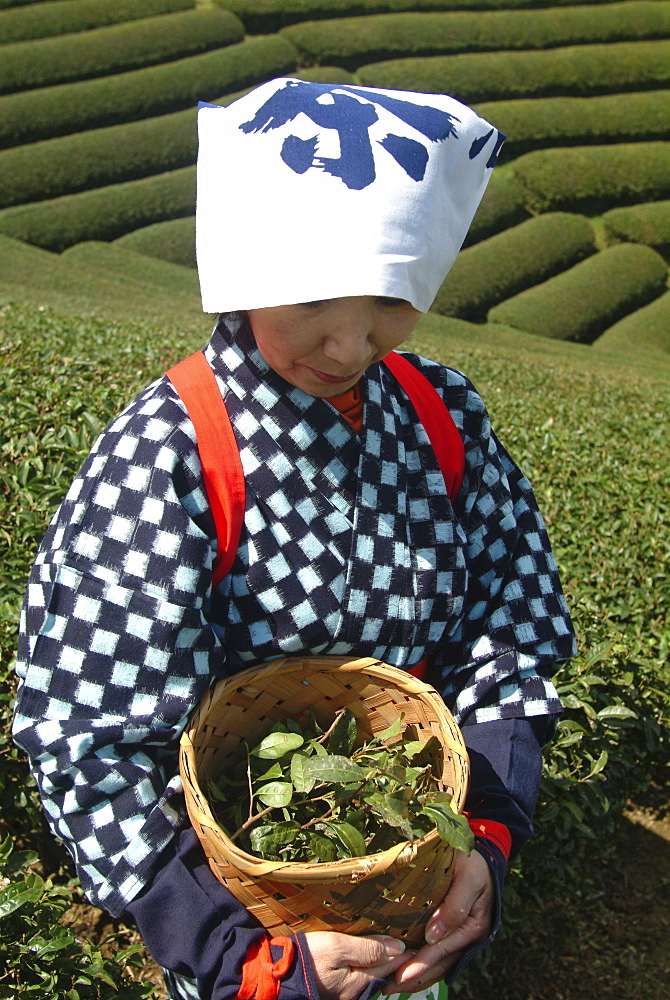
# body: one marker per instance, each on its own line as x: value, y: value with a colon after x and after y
x: 116, y: 649
x: 194, y: 926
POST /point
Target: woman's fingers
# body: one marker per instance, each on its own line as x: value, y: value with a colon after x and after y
x: 345, y: 964
x: 470, y: 897
x: 461, y: 920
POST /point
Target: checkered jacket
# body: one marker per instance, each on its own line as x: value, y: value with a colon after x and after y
x: 350, y: 546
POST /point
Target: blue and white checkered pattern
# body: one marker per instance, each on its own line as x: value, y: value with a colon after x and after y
x: 350, y: 546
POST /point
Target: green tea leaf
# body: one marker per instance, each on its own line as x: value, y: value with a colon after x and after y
x: 271, y: 837
x: 276, y: 793
x: 343, y: 736
x: 349, y: 837
x: 273, y: 772
x: 335, y: 768
x: 392, y: 810
x: 322, y: 847
x: 275, y: 745
x: 302, y: 782
x: 616, y: 712
x: 393, y: 730
x: 452, y: 828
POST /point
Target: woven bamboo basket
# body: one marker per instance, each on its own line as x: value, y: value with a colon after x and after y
x: 392, y: 892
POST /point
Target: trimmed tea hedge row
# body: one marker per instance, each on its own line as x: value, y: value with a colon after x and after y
x: 37, y: 276
x: 594, y: 177
x: 503, y: 205
x: 649, y: 224
x: 172, y: 241
x: 49, y: 61
x: 326, y: 74
x: 351, y: 41
x: 115, y: 154
x: 580, y: 304
x: 518, y: 258
x: 115, y: 261
x: 102, y: 214
x: 17, y: 3
x: 574, y: 71
x: 648, y: 327
x: 40, y: 20
x: 75, y: 107
x: 270, y: 15
x: 103, y: 156
x: 578, y: 121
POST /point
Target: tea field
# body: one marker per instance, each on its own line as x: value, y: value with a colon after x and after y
x: 558, y: 309
x: 592, y: 434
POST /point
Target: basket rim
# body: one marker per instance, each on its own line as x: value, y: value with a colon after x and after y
x: 401, y: 854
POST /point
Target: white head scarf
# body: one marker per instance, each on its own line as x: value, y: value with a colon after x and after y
x: 313, y: 191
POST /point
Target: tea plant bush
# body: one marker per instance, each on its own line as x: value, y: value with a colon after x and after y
x: 515, y: 259
x: 594, y: 177
x: 350, y: 41
x: 648, y: 327
x: 592, y: 436
x: 646, y: 223
x: 503, y: 205
x: 582, y: 302
x: 102, y: 213
x: 172, y: 241
x: 76, y: 107
x: 574, y: 71
x: 128, y: 46
x: 578, y: 121
x: 37, y: 276
x: 270, y: 15
x: 42, y: 957
x: 38, y: 20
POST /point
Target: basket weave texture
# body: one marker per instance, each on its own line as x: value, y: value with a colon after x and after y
x: 392, y: 892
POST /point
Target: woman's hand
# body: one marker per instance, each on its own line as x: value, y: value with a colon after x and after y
x: 345, y: 964
x: 463, y: 918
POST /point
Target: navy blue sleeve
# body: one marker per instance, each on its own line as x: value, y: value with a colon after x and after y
x: 193, y: 926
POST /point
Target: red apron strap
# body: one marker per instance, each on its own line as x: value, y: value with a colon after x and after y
x: 223, y: 477
x: 435, y: 416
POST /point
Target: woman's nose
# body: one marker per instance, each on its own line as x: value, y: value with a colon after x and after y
x: 352, y: 344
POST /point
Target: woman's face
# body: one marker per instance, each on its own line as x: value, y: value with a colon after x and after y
x: 324, y: 347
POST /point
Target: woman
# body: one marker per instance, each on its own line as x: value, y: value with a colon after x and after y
x: 327, y: 219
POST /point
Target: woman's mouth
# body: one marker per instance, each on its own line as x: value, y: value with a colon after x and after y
x: 334, y: 379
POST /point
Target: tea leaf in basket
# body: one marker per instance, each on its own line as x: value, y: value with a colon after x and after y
x: 393, y: 730
x: 302, y: 782
x: 276, y: 793
x: 452, y: 827
x: 392, y: 810
x: 415, y: 748
x: 349, y: 837
x: 273, y: 772
x: 335, y: 768
x: 322, y: 847
x: 269, y: 839
x: 275, y: 745
x: 343, y: 735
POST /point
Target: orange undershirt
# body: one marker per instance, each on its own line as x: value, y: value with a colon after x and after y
x: 350, y: 405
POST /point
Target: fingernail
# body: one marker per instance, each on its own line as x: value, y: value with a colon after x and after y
x: 434, y: 932
x: 405, y: 974
x: 393, y: 947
